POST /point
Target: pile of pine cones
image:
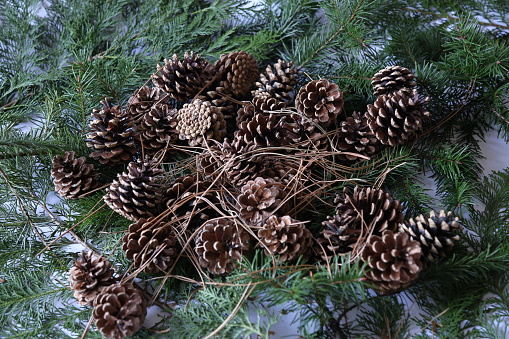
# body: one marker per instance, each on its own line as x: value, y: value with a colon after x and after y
x: 254, y: 137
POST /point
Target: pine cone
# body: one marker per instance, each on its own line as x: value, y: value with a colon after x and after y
x: 142, y: 101
x: 219, y: 244
x: 135, y: 193
x: 284, y: 171
x: 150, y: 242
x: 185, y: 78
x: 435, y: 234
x: 355, y: 136
x: 393, y: 79
x: 396, y: 118
x: 320, y: 100
x: 237, y: 73
x: 90, y: 275
x: 259, y: 199
x: 393, y: 261
x: 268, y: 104
x: 119, y: 311
x: 158, y: 128
x: 285, y: 237
x: 246, y: 113
x: 199, y: 122
x: 112, y: 136
x: 339, y: 238
x: 278, y: 80
x: 73, y: 177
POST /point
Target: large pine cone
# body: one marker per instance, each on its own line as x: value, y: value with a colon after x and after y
x: 112, y: 137
x: 237, y: 73
x: 142, y: 101
x: 259, y: 199
x: 150, y: 243
x: 355, y: 136
x: 396, y: 118
x: 219, y: 244
x: 393, y: 261
x: 320, y: 100
x: 436, y: 234
x: 285, y: 237
x: 158, y: 128
x: 199, y: 122
x: 393, y: 79
x: 73, y: 177
x: 90, y: 275
x: 278, y: 80
x: 136, y: 193
x: 185, y: 78
x: 119, y: 311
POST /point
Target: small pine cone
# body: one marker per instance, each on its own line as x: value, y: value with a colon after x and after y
x: 119, y: 311
x: 90, y: 275
x: 158, y: 128
x: 150, y: 242
x: 185, y: 78
x: 185, y: 200
x: 112, y: 137
x: 237, y: 73
x: 279, y: 80
x: 246, y: 113
x: 259, y: 199
x: 339, y: 238
x: 396, y: 118
x: 268, y: 104
x: 199, y: 122
x: 355, y: 136
x: 285, y: 237
x: 73, y: 177
x: 394, y: 261
x: 435, y: 234
x: 219, y: 244
x: 393, y: 79
x: 136, y: 193
x: 371, y: 208
x: 320, y: 100
x: 142, y: 101
x: 286, y: 171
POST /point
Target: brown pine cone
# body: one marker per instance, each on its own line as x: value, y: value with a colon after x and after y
x: 284, y: 171
x: 183, y: 79
x: 199, y: 122
x: 150, y: 243
x: 142, y: 101
x: 393, y: 261
x: 285, y: 237
x: 279, y: 80
x: 356, y: 137
x: 112, y: 137
x: 90, y: 275
x: 219, y: 244
x: 268, y: 104
x: 339, y: 238
x: 158, y: 129
x: 246, y: 112
x: 259, y: 199
x: 136, y: 193
x: 396, y: 118
x: 436, y: 234
x: 73, y: 177
x: 237, y: 73
x: 321, y: 101
x: 393, y: 79
x: 119, y: 311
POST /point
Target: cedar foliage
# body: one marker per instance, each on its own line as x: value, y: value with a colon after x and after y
x: 59, y: 58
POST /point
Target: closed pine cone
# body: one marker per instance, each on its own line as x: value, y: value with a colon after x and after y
x: 150, y: 242
x: 73, y: 177
x: 90, y: 275
x: 112, y: 137
x: 285, y: 237
x: 355, y: 136
x: 321, y: 101
x: 142, y: 101
x: 259, y: 199
x: 220, y: 244
x: 436, y: 234
x: 136, y: 193
x: 279, y: 80
x: 396, y: 118
x: 158, y: 128
x: 199, y: 122
x: 393, y: 79
x: 185, y: 78
x: 119, y: 311
x: 393, y: 261
x: 237, y: 73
